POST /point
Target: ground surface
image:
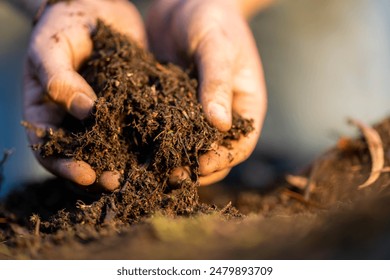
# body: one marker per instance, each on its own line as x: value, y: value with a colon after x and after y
x: 321, y: 213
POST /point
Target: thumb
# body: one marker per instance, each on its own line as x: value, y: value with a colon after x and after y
x: 55, y: 53
x: 71, y: 91
x: 215, y: 61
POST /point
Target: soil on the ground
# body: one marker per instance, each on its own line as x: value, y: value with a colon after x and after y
x: 147, y: 121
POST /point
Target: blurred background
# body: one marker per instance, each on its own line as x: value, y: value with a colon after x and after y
x: 324, y: 61
x: 14, y: 35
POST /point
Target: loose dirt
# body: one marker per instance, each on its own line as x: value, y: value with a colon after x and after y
x: 147, y: 121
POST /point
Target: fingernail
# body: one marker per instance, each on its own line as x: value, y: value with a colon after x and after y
x: 81, y: 105
x: 219, y: 116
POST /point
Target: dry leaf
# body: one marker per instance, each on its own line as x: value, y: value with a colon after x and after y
x: 376, y: 151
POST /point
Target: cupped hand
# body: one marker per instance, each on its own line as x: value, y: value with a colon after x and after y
x: 215, y: 36
x: 60, y: 42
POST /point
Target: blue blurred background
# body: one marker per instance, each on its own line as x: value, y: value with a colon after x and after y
x: 14, y: 34
x: 324, y: 61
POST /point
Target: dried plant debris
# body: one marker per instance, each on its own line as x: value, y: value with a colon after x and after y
x: 297, y: 181
x: 375, y: 147
x: 146, y: 122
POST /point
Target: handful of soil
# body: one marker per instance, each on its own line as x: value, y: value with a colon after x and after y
x: 146, y: 122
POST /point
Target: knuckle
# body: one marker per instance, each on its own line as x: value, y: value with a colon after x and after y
x: 215, y: 89
x: 54, y: 86
x: 58, y: 89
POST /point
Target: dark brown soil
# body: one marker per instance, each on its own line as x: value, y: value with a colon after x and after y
x: 146, y: 122
x: 149, y: 132
x: 338, y: 221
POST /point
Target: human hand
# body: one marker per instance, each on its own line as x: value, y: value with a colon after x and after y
x: 217, y: 38
x: 59, y: 44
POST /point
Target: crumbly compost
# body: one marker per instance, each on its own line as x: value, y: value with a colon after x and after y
x: 336, y: 220
x: 146, y: 116
x: 146, y: 122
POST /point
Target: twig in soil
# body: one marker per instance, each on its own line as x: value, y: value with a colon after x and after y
x: 375, y: 147
x: 310, y: 185
x: 299, y: 182
x: 37, y: 221
x: 307, y: 185
x: 301, y: 198
x: 226, y: 208
x: 39, y: 132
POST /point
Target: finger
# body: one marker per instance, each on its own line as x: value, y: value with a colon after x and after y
x: 124, y: 17
x: 250, y: 94
x: 214, y: 56
x: 76, y: 171
x: 59, y: 44
x: 109, y: 180
x: 37, y: 108
x: 42, y: 114
x: 249, y: 105
x: 250, y: 102
x: 160, y: 34
x: 179, y: 175
x: 214, y: 177
x: 79, y: 172
x: 223, y: 157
